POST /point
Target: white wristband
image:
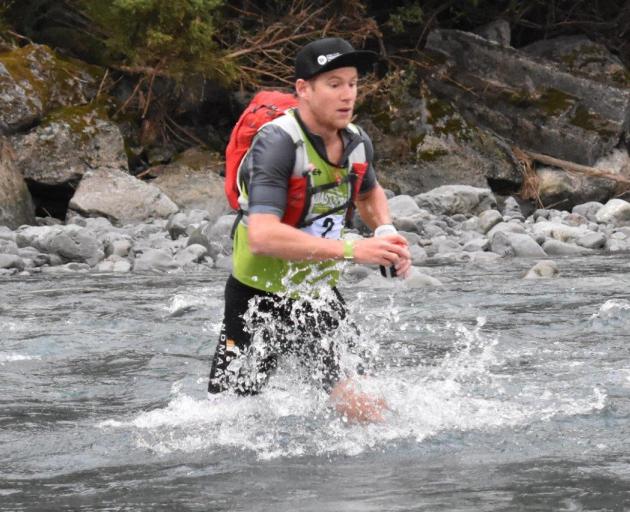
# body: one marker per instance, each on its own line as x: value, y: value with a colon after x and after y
x: 385, y: 229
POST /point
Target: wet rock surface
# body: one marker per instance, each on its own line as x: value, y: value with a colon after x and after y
x: 69, y: 143
x: 34, y: 80
x: 118, y: 196
x: 528, y: 99
x: 16, y: 203
x: 192, y: 240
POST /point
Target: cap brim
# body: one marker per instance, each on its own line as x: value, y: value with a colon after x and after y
x: 363, y: 60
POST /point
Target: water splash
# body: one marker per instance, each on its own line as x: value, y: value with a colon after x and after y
x: 183, y: 303
x: 462, y: 391
x: 613, y: 314
x: 11, y: 357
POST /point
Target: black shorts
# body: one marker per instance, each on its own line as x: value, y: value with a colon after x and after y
x: 258, y: 327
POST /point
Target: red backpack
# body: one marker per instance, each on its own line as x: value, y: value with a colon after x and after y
x: 264, y: 107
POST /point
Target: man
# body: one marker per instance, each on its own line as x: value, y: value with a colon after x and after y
x: 281, y: 296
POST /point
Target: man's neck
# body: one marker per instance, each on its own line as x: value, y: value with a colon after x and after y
x: 328, y: 135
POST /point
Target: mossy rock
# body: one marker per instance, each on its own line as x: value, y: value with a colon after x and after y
x: 69, y: 142
x: 34, y: 80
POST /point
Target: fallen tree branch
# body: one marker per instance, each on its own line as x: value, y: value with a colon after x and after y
x: 530, y: 188
x: 576, y: 168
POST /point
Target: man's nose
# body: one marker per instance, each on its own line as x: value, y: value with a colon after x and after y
x: 349, y: 93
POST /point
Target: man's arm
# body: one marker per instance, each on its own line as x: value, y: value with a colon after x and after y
x: 373, y: 208
x: 268, y: 236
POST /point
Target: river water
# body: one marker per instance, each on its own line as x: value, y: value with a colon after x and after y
x: 505, y: 394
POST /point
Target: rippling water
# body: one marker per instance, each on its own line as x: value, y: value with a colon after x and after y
x: 506, y: 394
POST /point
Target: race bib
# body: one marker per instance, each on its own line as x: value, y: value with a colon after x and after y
x: 326, y: 227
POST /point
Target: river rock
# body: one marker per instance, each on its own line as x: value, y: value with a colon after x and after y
x: 8, y: 246
x: 220, y: 232
x: 506, y: 227
x: 443, y: 245
x: 418, y: 279
x: 69, y: 242
x: 591, y: 240
x: 477, y: 245
x: 488, y: 219
x: 114, y: 263
x: 418, y: 254
x: 483, y: 259
x: 119, y: 196
x: 7, y: 233
x: 177, y: 225
x: 34, y: 81
x: 516, y: 244
x: 11, y: 261
x: 402, y: 206
x: 588, y: 210
x: 615, y: 211
x: 545, y: 269
x: 66, y: 268
x: 558, y: 248
x: 117, y: 245
x: 69, y: 143
x: 76, y: 244
x: 192, y: 254
x: 452, y: 199
x: 36, y: 258
x: 528, y: 99
x: 192, y: 181
x: 558, y: 231
x: 471, y: 224
x: 155, y: 260
x: 223, y: 262
x: 512, y: 210
x: 16, y: 204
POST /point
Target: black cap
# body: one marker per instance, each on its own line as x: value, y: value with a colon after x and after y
x: 331, y: 53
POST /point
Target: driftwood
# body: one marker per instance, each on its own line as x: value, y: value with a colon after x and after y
x: 577, y: 168
x: 530, y: 188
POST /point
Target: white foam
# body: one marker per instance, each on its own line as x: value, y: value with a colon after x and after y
x: 292, y: 418
x: 612, y: 313
x: 12, y: 357
x: 184, y: 302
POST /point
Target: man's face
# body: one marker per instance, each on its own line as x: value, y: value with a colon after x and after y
x: 330, y: 97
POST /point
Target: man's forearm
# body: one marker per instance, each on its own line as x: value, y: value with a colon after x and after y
x: 373, y: 208
x: 269, y: 236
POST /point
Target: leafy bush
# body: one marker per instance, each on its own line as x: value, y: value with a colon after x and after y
x: 174, y: 37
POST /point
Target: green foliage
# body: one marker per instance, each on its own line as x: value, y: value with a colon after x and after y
x: 405, y: 15
x: 174, y: 36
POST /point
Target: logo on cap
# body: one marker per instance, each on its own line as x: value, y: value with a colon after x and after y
x: 324, y: 59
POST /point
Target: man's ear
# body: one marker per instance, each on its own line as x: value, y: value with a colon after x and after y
x: 301, y: 87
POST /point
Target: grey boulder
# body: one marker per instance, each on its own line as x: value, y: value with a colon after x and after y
x: 121, y: 197
x: 16, y: 204
x: 516, y: 244
x: 453, y: 199
x: 545, y: 269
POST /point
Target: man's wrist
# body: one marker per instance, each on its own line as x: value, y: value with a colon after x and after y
x: 385, y: 229
x: 348, y: 249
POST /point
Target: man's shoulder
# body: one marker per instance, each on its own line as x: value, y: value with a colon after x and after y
x: 272, y: 136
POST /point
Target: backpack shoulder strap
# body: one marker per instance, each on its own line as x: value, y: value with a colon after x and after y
x: 357, y: 155
x: 289, y: 124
